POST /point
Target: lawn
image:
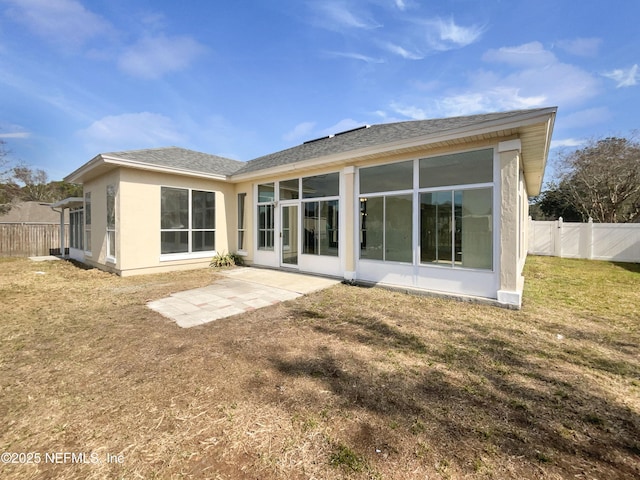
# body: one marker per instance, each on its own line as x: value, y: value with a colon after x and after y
x: 349, y: 382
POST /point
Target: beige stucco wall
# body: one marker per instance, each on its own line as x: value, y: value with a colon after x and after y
x: 98, y: 247
x: 138, y: 220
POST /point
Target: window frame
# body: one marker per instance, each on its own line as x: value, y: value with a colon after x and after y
x: 76, y: 228
x: 269, y: 229
x: 319, y: 201
x: 87, y: 223
x: 189, y: 230
x: 455, y: 189
x: 111, y: 193
x: 416, y: 191
x: 242, y: 200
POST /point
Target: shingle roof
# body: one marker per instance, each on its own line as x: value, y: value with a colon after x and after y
x: 372, y: 136
x: 175, y: 157
x: 31, y: 212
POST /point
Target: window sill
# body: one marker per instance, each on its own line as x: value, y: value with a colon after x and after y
x: 242, y: 253
x: 169, y: 257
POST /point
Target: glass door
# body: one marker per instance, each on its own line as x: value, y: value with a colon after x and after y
x: 289, y: 234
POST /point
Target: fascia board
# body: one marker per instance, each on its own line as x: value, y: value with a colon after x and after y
x: 523, y: 120
x: 78, y: 173
x: 163, y: 169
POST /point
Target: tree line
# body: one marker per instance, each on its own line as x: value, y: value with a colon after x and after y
x: 600, y: 181
x: 21, y: 183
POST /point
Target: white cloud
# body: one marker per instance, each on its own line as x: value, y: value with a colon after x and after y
x: 356, y: 56
x: 341, y: 126
x: 583, y: 47
x: 335, y: 15
x: 153, y: 57
x: 445, y: 34
x: 400, y: 4
x: 625, y: 78
x: 540, y: 80
x: 398, y: 50
x: 9, y: 130
x: 566, y: 142
x: 529, y: 55
x: 66, y: 23
x: 299, y: 131
x: 130, y: 131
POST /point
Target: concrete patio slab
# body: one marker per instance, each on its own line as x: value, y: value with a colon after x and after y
x: 240, y: 290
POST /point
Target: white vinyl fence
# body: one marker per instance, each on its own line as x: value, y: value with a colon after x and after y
x: 618, y: 242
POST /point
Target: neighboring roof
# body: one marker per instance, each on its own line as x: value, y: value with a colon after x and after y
x: 69, y: 202
x: 173, y: 159
x: 31, y: 212
x: 533, y: 127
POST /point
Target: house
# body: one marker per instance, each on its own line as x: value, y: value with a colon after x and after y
x: 439, y: 205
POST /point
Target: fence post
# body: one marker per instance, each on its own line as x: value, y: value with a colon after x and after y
x: 557, y: 238
x: 589, y: 242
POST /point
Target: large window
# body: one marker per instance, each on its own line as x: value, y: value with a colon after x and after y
x: 266, y: 207
x: 188, y: 219
x: 457, y: 169
x: 386, y: 228
x: 321, y: 228
x: 111, y: 222
x: 456, y: 228
x: 87, y: 222
x: 452, y: 198
x: 386, y: 218
x: 320, y: 222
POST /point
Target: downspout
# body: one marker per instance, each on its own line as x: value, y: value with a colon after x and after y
x: 62, y: 239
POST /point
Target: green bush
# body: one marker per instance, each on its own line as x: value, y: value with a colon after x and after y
x: 226, y: 260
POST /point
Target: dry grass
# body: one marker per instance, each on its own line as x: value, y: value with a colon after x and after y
x: 348, y: 382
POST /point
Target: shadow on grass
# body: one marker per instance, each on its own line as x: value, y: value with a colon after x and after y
x: 478, y: 388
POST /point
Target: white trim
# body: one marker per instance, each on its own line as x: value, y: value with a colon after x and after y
x: 510, y: 145
x: 510, y: 298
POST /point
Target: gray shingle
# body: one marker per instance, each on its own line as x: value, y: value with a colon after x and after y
x: 372, y: 136
x: 175, y: 157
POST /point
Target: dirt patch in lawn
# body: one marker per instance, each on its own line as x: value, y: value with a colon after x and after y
x: 348, y: 382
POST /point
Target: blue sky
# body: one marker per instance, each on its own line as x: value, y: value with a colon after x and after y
x: 246, y: 78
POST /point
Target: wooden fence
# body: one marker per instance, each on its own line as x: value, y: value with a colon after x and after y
x: 30, y: 239
x: 619, y: 242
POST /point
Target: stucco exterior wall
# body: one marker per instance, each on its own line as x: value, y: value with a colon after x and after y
x: 138, y: 219
x: 96, y: 252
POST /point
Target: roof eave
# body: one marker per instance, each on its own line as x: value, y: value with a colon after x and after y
x: 103, y: 160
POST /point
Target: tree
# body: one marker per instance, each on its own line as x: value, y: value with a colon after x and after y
x: 23, y: 183
x: 602, y: 180
x: 8, y: 188
x: 554, y: 203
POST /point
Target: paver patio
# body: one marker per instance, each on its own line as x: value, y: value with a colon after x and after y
x: 241, y: 290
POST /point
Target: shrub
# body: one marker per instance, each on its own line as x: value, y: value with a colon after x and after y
x: 226, y: 260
